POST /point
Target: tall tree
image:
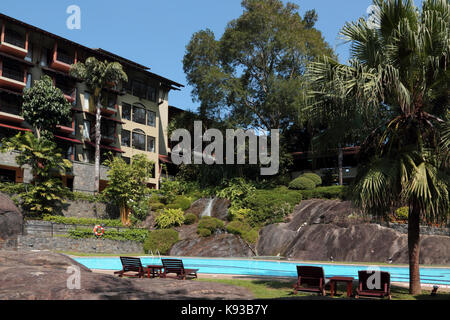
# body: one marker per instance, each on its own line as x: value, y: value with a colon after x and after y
x: 44, y: 106
x: 98, y: 75
x: 252, y: 75
x: 400, y: 64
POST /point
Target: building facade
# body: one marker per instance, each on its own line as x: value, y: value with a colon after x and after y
x: 135, y: 114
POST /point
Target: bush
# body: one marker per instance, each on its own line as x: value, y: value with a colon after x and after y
x: 236, y: 189
x: 251, y: 236
x: 314, y: 177
x: 180, y: 202
x: 156, y: 206
x: 202, y: 232
x: 238, y: 227
x: 12, y: 188
x: 332, y: 192
x: 83, y: 221
x: 170, y: 218
x: 160, y: 240
x: 190, y: 218
x: 210, y: 223
x: 402, y: 213
x: 138, y: 235
x: 302, y: 183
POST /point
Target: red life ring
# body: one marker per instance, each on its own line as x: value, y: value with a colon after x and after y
x: 99, y: 231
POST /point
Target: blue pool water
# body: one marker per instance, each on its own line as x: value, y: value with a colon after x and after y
x: 439, y: 276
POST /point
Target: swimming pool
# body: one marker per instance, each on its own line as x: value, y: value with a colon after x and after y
x: 439, y: 276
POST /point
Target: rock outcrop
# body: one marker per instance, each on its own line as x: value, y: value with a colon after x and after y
x: 219, y: 207
x: 11, y: 220
x: 319, y: 230
x: 46, y: 276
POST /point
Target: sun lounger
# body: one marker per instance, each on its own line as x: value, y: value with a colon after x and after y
x: 367, y: 280
x: 131, y: 267
x: 176, y: 266
x: 310, y: 279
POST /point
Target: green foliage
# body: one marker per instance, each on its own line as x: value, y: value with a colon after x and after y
x: 314, y: 177
x: 160, y: 240
x: 332, y: 192
x: 251, y: 236
x: 238, y: 227
x: 402, y: 213
x: 190, y: 218
x: 44, y: 106
x: 302, y: 183
x: 210, y: 223
x: 170, y: 218
x: 180, y: 202
x: 127, y: 185
x: 83, y: 221
x: 203, y: 232
x: 12, y: 188
x: 138, y: 235
x: 169, y: 190
x: 236, y: 190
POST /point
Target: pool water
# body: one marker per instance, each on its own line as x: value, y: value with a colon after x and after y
x: 438, y: 276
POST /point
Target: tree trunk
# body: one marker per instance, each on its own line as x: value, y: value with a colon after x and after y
x: 98, y: 118
x: 340, y: 164
x: 414, y: 249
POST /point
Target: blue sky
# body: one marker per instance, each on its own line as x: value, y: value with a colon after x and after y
x: 156, y: 32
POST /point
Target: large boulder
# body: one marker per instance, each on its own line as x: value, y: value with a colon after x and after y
x: 52, y: 276
x: 320, y: 230
x: 11, y: 219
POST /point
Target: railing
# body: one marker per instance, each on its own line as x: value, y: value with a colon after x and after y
x: 63, y: 57
x: 14, y: 39
x: 14, y: 74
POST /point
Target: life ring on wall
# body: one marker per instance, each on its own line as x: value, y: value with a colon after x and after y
x: 99, y: 231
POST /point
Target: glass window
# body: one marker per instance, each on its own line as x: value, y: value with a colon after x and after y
x: 87, y: 97
x: 151, y: 93
x: 126, y: 138
x: 151, y: 118
x: 126, y: 111
x: 139, y: 114
x: 139, y: 140
x: 150, y: 144
x: 86, y: 129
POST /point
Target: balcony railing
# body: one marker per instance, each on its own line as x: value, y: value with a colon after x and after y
x: 14, y: 39
x: 12, y: 73
x: 63, y: 57
x: 10, y: 108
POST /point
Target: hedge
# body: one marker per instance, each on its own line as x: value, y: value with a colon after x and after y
x: 302, y: 183
x: 84, y: 221
x: 160, y: 240
x: 138, y: 235
x: 332, y: 192
x: 314, y: 177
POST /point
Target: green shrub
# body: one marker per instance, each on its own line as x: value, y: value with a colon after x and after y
x: 170, y: 218
x: 83, y: 221
x: 402, y: 213
x: 236, y: 213
x: 138, y: 235
x: 236, y: 189
x: 302, y: 183
x: 202, y: 232
x: 180, y: 202
x: 251, y: 236
x: 314, y: 177
x: 238, y: 227
x: 190, y: 218
x: 210, y: 223
x: 156, y: 206
x: 12, y: 188
x: 332, y: 192
x: 160, y: 240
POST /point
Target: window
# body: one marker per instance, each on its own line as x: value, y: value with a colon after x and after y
x: 126, y: 111
x: 86, y: 129
x: 126, y: 142
x: 151, y: 93
x: 151, y: 118
x: 139, y: 140
x: 150, y: 144
x: 139, y: 114
x: 87, y: 97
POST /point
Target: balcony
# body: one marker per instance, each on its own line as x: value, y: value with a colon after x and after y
x: 14, y: 43
x: 67, y: 127
x: 68, y: 91
x: 10, y: 112
x: 108, y: 134
x: 12, y: 76
x: 62, y: 60
x: 109, y: 105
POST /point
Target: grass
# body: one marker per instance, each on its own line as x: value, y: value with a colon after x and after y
x: 282, y: 289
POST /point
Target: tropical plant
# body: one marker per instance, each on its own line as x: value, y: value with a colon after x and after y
x: 98, y: 75
x: 44, y: 106
x: 170, y: 218
x: 127, y: 185
x: 399, y: 69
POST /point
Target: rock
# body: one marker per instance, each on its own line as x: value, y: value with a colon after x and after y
x: 45, y: 276
x: 219, y: 207
x: 219, y: 245
x: 11, y: 219
x: 320, y: 229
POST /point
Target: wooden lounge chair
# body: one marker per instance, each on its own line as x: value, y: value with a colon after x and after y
x: 364, y: 291
x: 176, y: 266
x: 132, y: 267
x: 310, y: 279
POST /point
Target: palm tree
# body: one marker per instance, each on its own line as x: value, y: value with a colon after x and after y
x: 399, y: 67
x: 98, y: 75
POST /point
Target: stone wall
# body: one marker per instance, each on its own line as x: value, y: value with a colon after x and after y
x: 86, y: 209
x: 49, y: 229
x: 424, y: 230
x: 33, y: 242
